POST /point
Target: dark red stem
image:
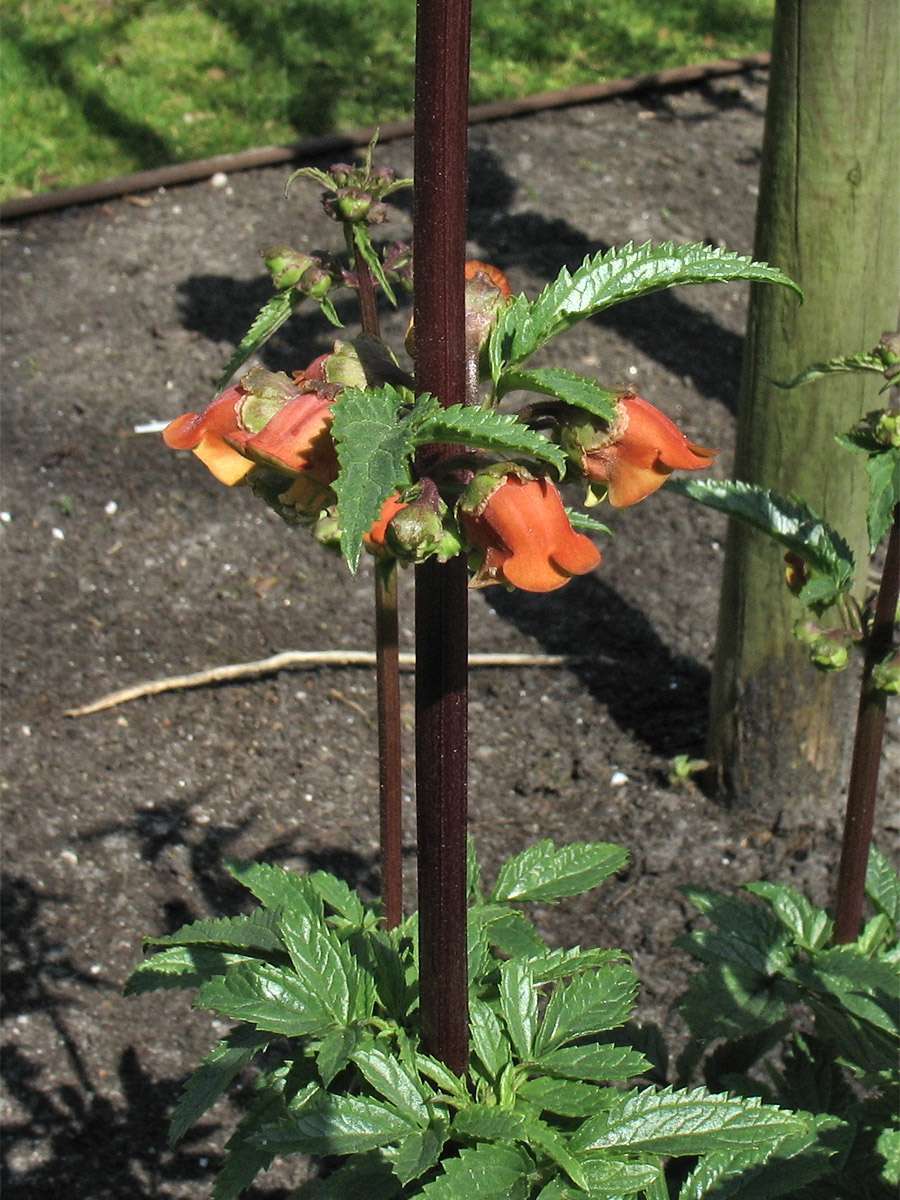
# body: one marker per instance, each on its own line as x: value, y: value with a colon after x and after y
x: 387, y: 674
x: 862, y: 789
x: 441, y: 149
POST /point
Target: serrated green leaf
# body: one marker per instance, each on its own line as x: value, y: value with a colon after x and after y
x: 245, y: 1156
x: 334, y: 1051
x: 566, y: 1097
x: 373, y: 446
x: 749, y: 934
x: 513, y: 934
x: 544, y: 873
x: 322, y: 962
x: 483, y: 1172
x: 883, y: 885
x: 594, y: 1063
x: 418, y: 1153
x: 772, y: 1168
x: 339, y: 896
x: 585, y: 524
x: 883, y: 470
x: 438, y: 1073
x: 486, y: 429
x: 591, y: 1003
x: 563, y: 385
x: 790, y: 522
x: 216, y: 1071
x: 564, y: 961
x: 487, y: 1122
x: 612, y: 1177
x: 368, y: 1175
x: 392, y: 1080
x: 865, y: 987
x: 489, y: 1040
x: 539, y: 1133
x: 608, y: 278
x: 518, y: 1005
x: 810, y: 926
x: 274, y: 887
x: 268, y: 997
x: 256, y: 931
x: 676, y: 1123
x: 868, y: 361
x: 338, y: 1124
x: 269, y: 320
x: 179, y: 967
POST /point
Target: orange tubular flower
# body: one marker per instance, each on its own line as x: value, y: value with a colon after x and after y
x: 635, y: 455
x: 374, y: 539
x: 297, y: 438
x: 204, y: 433
x: 523, y: 534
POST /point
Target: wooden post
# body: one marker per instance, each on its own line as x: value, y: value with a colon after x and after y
x: 829, y: 216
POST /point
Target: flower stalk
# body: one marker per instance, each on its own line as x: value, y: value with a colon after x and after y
x: 859, y: 816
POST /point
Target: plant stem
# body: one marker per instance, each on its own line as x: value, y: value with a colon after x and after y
x: 441, y: 147
x: 862, y: 789
x: 387, y: 676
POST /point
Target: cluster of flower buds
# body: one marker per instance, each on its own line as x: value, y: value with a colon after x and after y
x: 354, y: 195
x: 274, y: 433
x: 313, y: 275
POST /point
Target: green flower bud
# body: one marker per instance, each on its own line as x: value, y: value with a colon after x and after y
x: 886, y: 674
x: 286, y: 265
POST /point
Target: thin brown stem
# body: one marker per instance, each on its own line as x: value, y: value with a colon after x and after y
x: 863, y: 786
x: 389, y: 743
x: 387, y: 671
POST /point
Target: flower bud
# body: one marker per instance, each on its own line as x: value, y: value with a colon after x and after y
x: 886, y: 674
x: 828, y: 649
x: 286, y: 265
x: 421, y: 528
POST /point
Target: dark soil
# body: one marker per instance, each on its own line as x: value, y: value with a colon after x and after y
x: 126, y: 562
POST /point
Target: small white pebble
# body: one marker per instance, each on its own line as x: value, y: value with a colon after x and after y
x: 307, y: 795
x: 618, y: 778
x: 26, y: 730
x: 58, y: 534
x: 110, y: 508
x: 219, y: 180
x: 70, y: 857
x: 632, y: 370
x: 5, y: 517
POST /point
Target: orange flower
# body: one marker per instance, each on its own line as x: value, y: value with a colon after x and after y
x: 374, y: 539
x: 204, y: 433
x: 522, y: 533
x: 635, y: 454
x: 474, y: 268
x: 297, y: 438
x: 264, y: 419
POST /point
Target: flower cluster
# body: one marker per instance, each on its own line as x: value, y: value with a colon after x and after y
x: 275, y: 434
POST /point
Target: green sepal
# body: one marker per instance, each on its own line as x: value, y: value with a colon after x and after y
x: 362, y: 245
x: 871, y: 360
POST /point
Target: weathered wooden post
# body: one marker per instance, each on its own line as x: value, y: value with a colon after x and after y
x: 829, y: 216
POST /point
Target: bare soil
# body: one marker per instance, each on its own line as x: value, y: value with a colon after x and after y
x: 125, y: 562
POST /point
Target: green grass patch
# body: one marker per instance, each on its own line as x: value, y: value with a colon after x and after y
x: 96, y: 88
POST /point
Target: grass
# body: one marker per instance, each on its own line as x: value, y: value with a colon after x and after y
x: 96, y: 88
